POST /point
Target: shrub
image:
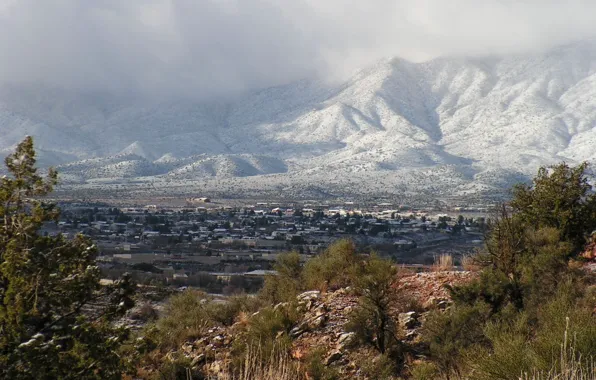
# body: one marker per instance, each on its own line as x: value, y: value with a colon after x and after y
x: 145, y: 313
x: 226, y: 312
x: 332, y: 268
x: 186, y: 316
x: 425, y: 371
x: 449, y: 334
x: 371, y: 320
x: 267, y: 331
x: 443, y: 262
x: 531, y: 346
x: 175, y: 368
x: 380, y: 368
x: 316, y: 368
x: 559, y: 197
x: 285, y: 285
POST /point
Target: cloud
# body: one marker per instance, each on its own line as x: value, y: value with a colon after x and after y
x: 207, y: 48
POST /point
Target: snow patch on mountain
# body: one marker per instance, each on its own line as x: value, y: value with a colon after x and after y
x: 451, y: 125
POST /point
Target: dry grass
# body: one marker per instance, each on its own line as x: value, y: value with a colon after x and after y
x: 469, y: 263
x: 572, y: 367
x: 279, y: 366
x: 443, y: 262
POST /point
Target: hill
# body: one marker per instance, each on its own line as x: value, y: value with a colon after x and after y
x: 451, y: 126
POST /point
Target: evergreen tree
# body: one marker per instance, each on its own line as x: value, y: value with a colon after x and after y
x: 559, y: 197
x: 54, y: 315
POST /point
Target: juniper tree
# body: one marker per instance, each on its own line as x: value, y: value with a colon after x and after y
x: 559, y: 197
x: 54, y: 315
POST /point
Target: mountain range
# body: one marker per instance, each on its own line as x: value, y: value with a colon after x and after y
x: 449, y: 126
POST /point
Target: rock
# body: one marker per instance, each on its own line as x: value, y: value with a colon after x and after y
x: 318, y: 322
x: 432, y: 303
x: 298, y: 330
x: 411, y: 335
x: 198, y: 360
x: 215, y: 367
x: 280, y: 305
x: 321, y: 310
x: 345, y: 339
x: 334, y: 356
x: 313, y: 294
x: 408, y: 320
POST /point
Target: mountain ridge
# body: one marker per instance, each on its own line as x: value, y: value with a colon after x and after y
x: 474, y: 118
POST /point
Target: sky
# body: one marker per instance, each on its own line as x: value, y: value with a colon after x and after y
x: 214, y: 48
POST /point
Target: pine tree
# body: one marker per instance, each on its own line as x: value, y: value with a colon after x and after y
x: 55, y: 317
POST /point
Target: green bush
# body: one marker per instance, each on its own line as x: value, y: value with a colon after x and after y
x: 186, y: 316
x: 316, y: 368
x: 449, y: 334
x: 381, y: 367
x: 266, y: 334
x: 225, y: 313
x: 286, y: 284
x: 371, y: 320
x: 176, y: 368
x: 425, y: 371
x: 331, y: 269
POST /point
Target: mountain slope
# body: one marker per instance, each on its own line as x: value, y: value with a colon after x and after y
x: 451, y: 125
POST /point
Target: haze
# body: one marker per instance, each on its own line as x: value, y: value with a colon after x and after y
x: 215, y: 48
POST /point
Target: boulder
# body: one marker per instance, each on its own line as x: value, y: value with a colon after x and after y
x: 333, y: 356
x: 408, y: 320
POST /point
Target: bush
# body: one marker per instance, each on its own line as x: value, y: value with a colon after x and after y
x: 186, y: 316
x: 267, y: 333
x: 332, y: 268
x: 371, y: 321
x: 531, y: 343
x: 380, y: 368
x: 175, y: 368
x: 449, y: 334
x: 145, y: 313
x: 276, y: 366
x: 285, y: 285
x: 226, y: 312
x: 316, y: 369
x: 425, y: 371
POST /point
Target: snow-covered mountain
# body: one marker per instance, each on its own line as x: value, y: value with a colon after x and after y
x: 447, y: 126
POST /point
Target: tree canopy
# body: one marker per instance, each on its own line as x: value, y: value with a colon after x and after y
x: 54, y: 314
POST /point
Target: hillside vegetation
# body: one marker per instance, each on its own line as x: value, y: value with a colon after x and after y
x: 527, y: 312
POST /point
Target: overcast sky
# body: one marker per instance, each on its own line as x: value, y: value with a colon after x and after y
x: 208, y: 48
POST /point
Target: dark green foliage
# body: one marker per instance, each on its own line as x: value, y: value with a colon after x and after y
x: 559, y: 197
x: 493, y: 288
x: 449, y: 334
x: 380, y: 368
x: 510, y: 352
x: 316, y: 368
x: 513, y: 318
x: 332, y: 268
x: 425, y: 371
x: 371, y: 321
x: 54, y: 315
x: 189, y: 314
x: 286, y: 284
x: 266, y: 335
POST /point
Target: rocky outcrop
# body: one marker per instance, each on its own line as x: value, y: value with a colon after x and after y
x: 322, y: 323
